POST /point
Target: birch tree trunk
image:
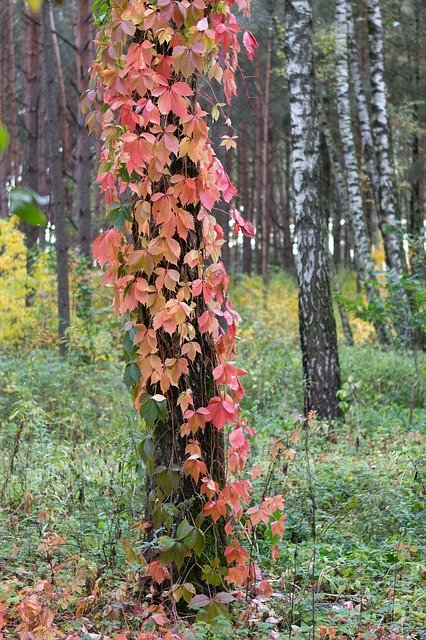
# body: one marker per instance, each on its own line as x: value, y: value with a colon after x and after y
x: 362, y: 248
x: 365, y: 131
x: 381, y: 137
x: 57, y: 196
x: 316, y: 319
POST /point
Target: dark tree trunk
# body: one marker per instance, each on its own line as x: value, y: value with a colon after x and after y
x: 266, y: 219
x: 285, y: 197
x: 30, y: 164
x: 317, y: 324
x: 12, y: 110
x: 57, y: 197
x: 83, y: 37
x: 243, y: 185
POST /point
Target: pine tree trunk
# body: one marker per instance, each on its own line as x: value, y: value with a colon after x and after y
x: 266, y: 220
x: 257, y: 201
x: 83, y: 37
x: 317, y: 325
x: 243, y: 186
x: 31, y: 160
x: 4, y: 156
x: 12, y: 107
x: 284, y: 177
x: 53, y: 136
x: 362, y: 248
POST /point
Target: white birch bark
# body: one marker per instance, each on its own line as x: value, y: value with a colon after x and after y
x: 317, y: 325
x: 365, y: 131
x: 362, y: 248
x: 381, y: 137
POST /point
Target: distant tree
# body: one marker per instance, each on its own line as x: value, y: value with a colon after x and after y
x: 83, y: 35
x: 317, y: 324
x: 54, y: 144
x: 362, y: 246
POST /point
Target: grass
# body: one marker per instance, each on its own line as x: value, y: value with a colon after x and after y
x: 353, y: 557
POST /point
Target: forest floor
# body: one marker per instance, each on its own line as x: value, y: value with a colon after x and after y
x: 353, y: 560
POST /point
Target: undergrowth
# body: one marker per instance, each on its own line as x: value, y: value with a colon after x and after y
x: 352, y: 563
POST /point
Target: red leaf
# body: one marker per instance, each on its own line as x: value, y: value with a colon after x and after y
x: 250, y: 44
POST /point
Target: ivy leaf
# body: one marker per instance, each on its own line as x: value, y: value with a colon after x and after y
x: 199, y: 601
x: 132, y: 374
x: 184, y: 529
x: 119, y: 214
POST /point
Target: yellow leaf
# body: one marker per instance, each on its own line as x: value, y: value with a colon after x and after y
x: 34, y: 5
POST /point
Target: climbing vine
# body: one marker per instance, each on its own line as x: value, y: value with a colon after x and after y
x: 161, y: 181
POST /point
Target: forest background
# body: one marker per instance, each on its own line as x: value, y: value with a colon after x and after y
x: 72, y: 487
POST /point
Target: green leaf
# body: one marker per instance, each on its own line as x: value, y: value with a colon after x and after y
x: 118, y: 214
x: 132, y: 374
x: 184, y: 529
x: 4, y: 137
x: 22, y: 204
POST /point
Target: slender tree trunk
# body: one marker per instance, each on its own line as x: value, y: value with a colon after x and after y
x: 415, y: 218
x: 317, y: 325
x: 381, y: 137
x: 257, y: 201
x: 362, y: 108
x: 12, y: 107
x: 31, y: 160
x: 284, y: 178
x: 243, y: 186
x: 362, y: 246
x: 266, y: 220
x: 83, y: 38
x: 64, y: 125
x: 4, y: 157
x: 53, y: 136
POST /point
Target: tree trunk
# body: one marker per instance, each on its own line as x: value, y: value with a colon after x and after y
x: 57, y: 202
x: 317, y: 324
x: 362, y: 248
x: 415, y: 218
x: 362, y: 108
x: 83, y: 38
x: 381, y: 137
x: 257, y: 200
x: 243, y: 186
x: 266, y: 220
x: 30, y: 163
x: 4, y: 156
x: 12, y: 107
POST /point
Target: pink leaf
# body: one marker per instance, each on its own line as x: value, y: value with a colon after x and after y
x: 250, y: 44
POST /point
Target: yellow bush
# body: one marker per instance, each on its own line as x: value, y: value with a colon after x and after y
x: 34, y: 324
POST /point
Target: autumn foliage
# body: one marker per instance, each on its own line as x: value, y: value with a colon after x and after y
x: 161, y: 181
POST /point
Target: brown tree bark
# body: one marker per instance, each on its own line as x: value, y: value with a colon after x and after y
x: 51, y: 87
x: 266, y: 218
x: 83, y: 169
x: 32, y: 99
x: 12, y: 107
x: 243, y: 186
